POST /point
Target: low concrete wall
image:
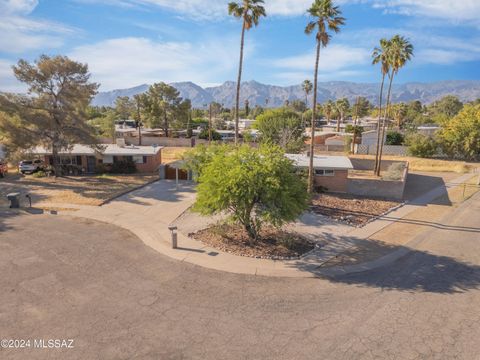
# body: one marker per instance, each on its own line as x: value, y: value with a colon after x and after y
x: 335, y: 148
x: 161, y: 141
x: 377, y: 188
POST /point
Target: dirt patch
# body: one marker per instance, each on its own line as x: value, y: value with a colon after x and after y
x: 84, y: 190
x: 356, y: 211
x: 273, y: 244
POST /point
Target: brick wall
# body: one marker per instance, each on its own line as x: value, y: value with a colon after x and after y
x: 152, y: 164
x: 337, y: 183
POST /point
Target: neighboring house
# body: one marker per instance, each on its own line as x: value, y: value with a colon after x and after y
x: 428, y: 130
x: 147, y: 158
x: 331, y: 172
x: 369, y: 138
x: 320, y: 137
x: 337, y: 140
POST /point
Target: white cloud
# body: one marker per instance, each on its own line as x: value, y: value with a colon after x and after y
x: 453, y: 10
x: 333, y: 58
x: 124, y: 62
x: 20, y: 32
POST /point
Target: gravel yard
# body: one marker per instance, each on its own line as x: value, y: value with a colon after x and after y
x: 350, y: 209
x: 84, y: 190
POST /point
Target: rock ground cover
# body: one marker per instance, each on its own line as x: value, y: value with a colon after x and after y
x: 273, y: 243
x: 350, y: 209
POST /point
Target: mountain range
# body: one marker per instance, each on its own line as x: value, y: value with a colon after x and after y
x: 274, y: 96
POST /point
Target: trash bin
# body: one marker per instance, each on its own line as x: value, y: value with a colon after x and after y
x: 14, y: 199
x: 162, y: 172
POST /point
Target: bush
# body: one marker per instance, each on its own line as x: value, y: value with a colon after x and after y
x: 395, y: 138
x: 205, y: 134
x: 421, y: 146
x: 394, y: 172
x: 39, y: 174
x: 257, y: 186
x: 124, y: 167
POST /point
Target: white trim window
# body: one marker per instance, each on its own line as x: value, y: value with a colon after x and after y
x: 324, y: 172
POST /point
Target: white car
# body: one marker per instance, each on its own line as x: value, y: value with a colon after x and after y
x: 30, y: 166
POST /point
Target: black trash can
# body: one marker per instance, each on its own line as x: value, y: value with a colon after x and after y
x: 14, y: 199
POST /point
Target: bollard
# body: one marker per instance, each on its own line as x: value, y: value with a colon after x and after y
x: 173, y: 230
x: 29, y: 199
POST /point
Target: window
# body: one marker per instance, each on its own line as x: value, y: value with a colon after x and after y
x: 323, y: 172
x: 139, y: 159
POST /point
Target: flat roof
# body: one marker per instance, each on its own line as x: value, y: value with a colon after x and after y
x: 321, y: 162
x: 108, y: 149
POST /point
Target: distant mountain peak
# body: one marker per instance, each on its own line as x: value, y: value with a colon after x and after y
x: 262, y: 94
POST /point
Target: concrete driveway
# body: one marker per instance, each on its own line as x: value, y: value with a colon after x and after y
x: 67, y: 278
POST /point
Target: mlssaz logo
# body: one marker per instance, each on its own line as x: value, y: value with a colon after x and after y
x: 53, y: 343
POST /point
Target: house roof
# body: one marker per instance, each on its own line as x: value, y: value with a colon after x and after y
x: 322, y: 162
x: 108, y: 149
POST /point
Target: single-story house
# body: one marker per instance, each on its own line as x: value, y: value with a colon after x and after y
x: 331, y: 172
x: 146, y: 158
x: 370, y: 138
x: 320, y: 136
x: 428, y: 130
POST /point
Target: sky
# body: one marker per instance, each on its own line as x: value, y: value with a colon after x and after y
x: 131, y: 42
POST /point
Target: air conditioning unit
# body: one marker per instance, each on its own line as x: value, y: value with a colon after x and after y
x: 121, y: 142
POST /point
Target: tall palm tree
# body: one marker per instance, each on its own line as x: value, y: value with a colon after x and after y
x: 325, y: 17
x: 342, y: 106
x: 399, y: 53
x: 380, y: 56
x: 328, y: 110
x: 250, y: 11
x: 307, y: 87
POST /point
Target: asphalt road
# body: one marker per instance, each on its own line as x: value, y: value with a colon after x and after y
x: 63, y: 278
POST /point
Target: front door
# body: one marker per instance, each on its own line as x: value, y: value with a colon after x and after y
x: 91, y: 161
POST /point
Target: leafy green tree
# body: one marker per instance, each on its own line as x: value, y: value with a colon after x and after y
x: 125, y: 108
x: 325, y: 17
x: 55, y: 116
x: 460, y: 137
x: 282, y: 127
x: 395, y: 138
x: 160, y: 106
x: 256, y: 186
x: 421, y: 146
x: 449, y: 106
x: 250, y: 11
x: 357, y: 130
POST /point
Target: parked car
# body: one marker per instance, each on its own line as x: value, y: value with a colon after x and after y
x: 31, y: 166
x: 3, y: 169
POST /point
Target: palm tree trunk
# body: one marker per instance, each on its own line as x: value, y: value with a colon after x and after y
x: 379, y: 124
x: 314, y: 118
x: 239, y: 80
x: 387, y: 109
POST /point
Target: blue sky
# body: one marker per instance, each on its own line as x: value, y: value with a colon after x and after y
x: 131, y: 42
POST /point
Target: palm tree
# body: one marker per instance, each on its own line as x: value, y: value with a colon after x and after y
x: 326, y: 17
x: 328, y: 110
x: 342, y: 106
x: 380, y: 56
x: 250, y: 11
x: 307, y: 87
x: 399, y: 53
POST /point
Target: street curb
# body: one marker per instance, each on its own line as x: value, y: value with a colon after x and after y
x: 409, y: 247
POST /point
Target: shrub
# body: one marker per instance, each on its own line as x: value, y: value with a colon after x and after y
x: 421, y: 146
x: 39, y: 174
x: 395, y: 138
x: 394, y: 172
x: 124, y: 167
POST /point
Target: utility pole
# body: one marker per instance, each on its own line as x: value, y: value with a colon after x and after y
x: 210, y: 124
x: 355, y: 120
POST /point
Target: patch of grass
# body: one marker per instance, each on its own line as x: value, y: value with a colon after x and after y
x: 394, y: 172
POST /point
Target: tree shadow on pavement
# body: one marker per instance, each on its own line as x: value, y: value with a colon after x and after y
x: 399, y: 268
